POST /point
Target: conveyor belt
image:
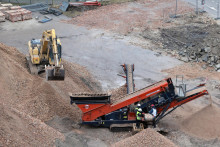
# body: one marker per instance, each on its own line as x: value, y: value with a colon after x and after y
x: 88, y: 94
x: 87, y: 98
x: 129, y: 78
x: 121, y: 127
x: 136, y: 93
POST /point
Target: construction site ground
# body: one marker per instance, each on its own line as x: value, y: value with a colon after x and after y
x: 36, y: 112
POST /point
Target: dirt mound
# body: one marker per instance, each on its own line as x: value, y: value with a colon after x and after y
x: 34, y: 96
x: 204, y: 123
x: 19, y: 129
x: 147, y: 137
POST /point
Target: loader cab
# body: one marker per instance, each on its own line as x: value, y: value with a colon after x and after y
x: 35, y: 43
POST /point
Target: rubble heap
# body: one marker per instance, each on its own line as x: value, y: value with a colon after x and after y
x: 197, y: 41
x: 194, y: 39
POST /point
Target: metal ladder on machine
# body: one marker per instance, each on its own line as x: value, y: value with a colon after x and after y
x: 180, y: 86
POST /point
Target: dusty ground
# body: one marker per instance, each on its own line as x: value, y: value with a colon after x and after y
x: 127, y: 17
x: 189, y: 38
x: 27, y: 101
x: 100, y: 51
x: 91, y: 43
x: 189, y: 122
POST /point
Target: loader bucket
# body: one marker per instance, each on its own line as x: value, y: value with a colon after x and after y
x: 55, y: 73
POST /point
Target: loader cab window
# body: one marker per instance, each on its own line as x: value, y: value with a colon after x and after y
x: 59, y: 48
x: 51, y: 53
x: 35, y: 42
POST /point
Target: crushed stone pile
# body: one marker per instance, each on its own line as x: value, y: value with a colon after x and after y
x: 145, y: 138
x: 193, y: 39
x: 118, y: 93
x: 20, y: 129
x: 204, y: 124
x: 36, y: 97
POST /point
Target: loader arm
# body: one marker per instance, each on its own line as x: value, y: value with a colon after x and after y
x: 49, y: 47
x: 45, y: 55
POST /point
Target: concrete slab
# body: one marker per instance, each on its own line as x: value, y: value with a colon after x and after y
x: 101, y: 52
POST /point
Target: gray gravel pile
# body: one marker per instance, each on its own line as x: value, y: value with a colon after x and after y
x: 197, y: 41
x: 146, y: 138
x: 191, y: 39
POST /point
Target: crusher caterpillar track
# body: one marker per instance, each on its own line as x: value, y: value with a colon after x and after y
x: 98, y: 110
x: 45, y: 55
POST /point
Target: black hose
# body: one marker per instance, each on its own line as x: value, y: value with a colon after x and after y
x: 161, y: 114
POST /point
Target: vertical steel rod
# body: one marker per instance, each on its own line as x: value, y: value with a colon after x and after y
x: 176, y: 9
x: 218, y: 10
x: 197, y: 7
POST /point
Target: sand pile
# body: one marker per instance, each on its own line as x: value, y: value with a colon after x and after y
x: 145, y: 138
x: 204, y: 123
x: 33, y: 95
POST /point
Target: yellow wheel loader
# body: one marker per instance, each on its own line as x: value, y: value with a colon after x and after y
x: 45, y: 55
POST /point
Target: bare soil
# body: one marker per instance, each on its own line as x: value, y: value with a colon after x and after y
x: 193, y: 70
x: 127, y: 17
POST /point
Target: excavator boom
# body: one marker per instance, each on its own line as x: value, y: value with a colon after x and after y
x: 45, y: 55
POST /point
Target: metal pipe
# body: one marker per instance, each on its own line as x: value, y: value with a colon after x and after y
x: 176, y: 9
x: 218, y: 10
x: 197, y: 7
